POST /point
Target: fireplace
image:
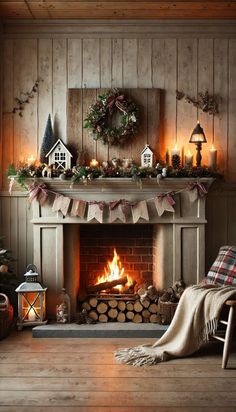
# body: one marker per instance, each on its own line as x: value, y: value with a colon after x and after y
x: 71, y: 252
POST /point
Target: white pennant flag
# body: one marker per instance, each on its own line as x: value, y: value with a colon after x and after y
x: 95, y: 212
x: 164, y: 203
x: 140, y: 211
x: 61, y: 203
x: 78, y: 208
x: 117, y: 213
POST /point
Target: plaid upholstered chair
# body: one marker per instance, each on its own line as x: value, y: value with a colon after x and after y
x: 223, y: 272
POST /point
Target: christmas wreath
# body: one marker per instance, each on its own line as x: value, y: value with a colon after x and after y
x: 99, y: 118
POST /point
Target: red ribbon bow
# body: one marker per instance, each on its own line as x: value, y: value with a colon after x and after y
x: 115, y: 101
x: 200, y: 188
x: 125, y: 204
x: 100, y: 203
x: 168, y: 196
x: 38, y: 192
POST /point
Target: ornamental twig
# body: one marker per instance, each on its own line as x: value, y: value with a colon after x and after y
x: 25, y: 98
x: 204, y: 101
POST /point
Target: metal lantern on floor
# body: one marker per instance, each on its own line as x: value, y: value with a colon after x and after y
x: 31, y: 300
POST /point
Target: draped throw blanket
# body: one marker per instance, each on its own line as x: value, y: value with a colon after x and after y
x: 195, y: 319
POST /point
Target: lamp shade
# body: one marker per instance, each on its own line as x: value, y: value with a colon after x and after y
x: 198, y: 135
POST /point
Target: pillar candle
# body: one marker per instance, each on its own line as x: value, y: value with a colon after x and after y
x: 94, y: 163
x: 175, y: 151
x: 188, y: 160
x: 212, y: 157
x: 31, y: 315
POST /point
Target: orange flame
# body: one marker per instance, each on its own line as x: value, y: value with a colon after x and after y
x: 114, y: 271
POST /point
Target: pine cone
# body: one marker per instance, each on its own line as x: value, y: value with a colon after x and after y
x: 175, y: 160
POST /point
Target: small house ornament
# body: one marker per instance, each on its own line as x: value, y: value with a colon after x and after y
x: 147, y: 157
x: 59, y: 156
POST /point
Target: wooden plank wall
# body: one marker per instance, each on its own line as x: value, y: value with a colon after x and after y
x: 81, y: 57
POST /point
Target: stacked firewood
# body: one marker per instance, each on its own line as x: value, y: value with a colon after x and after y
x: 137, y: 308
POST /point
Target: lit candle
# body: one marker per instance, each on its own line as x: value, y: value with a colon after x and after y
x: 31, y: 160
x: 31, y: 315
x: 175, y: 151
x: 188, y: 159
x: 213, y: 157
x: 94, y: 163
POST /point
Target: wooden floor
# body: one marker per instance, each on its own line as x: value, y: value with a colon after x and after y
x: 49, y: 375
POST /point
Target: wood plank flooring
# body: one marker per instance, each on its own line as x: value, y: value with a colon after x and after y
x: 82, y: 375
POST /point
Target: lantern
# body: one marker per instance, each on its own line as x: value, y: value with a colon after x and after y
x: 147, y: 157
x: 31, y: 300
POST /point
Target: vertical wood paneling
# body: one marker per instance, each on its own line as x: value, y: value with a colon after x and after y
x: 144, y: 63
x: 22, y: 235
x: 14, y: 230
x: 102, y: 153
x: 6, y: 222
x: 25, y: 74
x: 8, y: 78
x: 29, y: 235
x: 158, y: 63
x: 168, y: 101
x: 59, y: 87
x: 106, y: 63
x: 74, y: 63
x: 117, y: 63
x: 45, y: 87
x: 91, y: 63
x: 232, y: 111
x: 130, y: 72
x: 205, y: 82
x: 89, y: 145
x: 187, y: 82
x: 221, y: 90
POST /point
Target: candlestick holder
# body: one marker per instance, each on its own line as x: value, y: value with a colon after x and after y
x: 198, y: 137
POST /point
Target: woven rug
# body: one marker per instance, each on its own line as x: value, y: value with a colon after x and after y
x: 195, y: 319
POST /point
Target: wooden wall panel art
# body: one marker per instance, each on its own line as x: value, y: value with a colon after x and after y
x: 148, y: 101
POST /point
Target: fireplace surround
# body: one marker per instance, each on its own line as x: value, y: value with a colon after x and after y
x: 177, y: 239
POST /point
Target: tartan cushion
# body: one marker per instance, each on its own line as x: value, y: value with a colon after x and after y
x: 223, y: 270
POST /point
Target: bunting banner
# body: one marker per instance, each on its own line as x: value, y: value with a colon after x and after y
x: 61, y: 203
x: 78, y: 208
x: 164, y: 203
x: 196, y: 190
x: 95, y: 211
x: 118, y: 209
x: 139, y: 210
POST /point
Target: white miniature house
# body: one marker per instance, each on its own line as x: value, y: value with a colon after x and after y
x: 59, y: 156
x: 147, y: 157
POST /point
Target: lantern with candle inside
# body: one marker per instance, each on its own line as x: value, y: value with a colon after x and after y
x: 188, y: 160
x: 198, y: 137
x: 213, y: 158
x: 31, y: 300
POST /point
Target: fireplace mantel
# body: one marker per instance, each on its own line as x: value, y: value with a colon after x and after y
x: 178, y: 238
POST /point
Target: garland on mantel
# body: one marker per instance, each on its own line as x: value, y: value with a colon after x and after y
x: 118, y: 209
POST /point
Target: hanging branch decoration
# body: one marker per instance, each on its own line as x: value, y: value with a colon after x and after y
x: 205, y: 102
x: 25, y: 98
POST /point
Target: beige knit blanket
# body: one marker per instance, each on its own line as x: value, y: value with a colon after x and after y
x: 195, y: 319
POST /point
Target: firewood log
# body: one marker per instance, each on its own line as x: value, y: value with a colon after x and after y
x: 146, y: 314
x: 121, y: 305
x: 106, y: 285
x: 113, y: 303
x: 103, y: 318
x: 102, y: 307
x: 137, y: 318
x: 86, y: 305
x: 153, y: 308
x: 93, y: 302
x: 130, y: 306
x: 154, y: 318
x: 121, y: 317
x: 141, y: 291
x: 130, y: 315
x: 93, y: 315
x: 145, y: 302
x: 138, y: 307
x: 152, y: 293
x: 112, y: 313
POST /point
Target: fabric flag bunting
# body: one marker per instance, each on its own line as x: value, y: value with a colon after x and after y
x: 95, y: 211
x: 38, y: 192
x: 164, y: 202
x: 78, y: 208
x: 139, y: 210
x: 61, y: 203
x: 196, y: 190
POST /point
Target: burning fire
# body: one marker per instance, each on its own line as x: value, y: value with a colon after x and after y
x: 114, y: 271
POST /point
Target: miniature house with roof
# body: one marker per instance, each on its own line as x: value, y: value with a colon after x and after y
x: 59, y: 156
x: 147, y: 157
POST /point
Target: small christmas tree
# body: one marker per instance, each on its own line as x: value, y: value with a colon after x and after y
x: 48, y: 141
